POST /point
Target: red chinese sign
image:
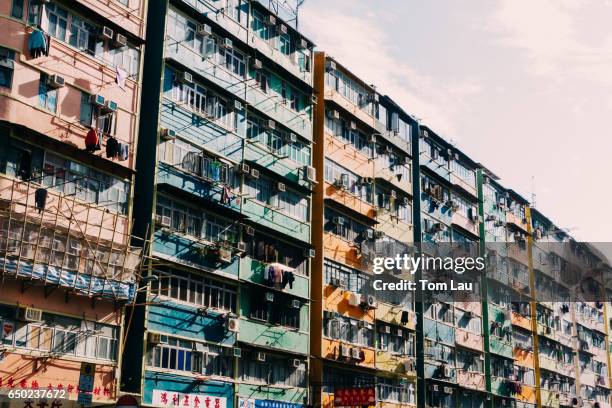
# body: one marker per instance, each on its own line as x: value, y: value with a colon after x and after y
x: 350, y: 397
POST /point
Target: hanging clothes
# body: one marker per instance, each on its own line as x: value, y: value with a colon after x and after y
x: 112, y: 148
x: 92, y: 141
x: 215, y: 171
x: 124, y: 151
x: 270, y: 277
x: 226, y: 195
x: 288, y: 279
x: 40, y: 199
x: 278, y: 277
x: 120, y: 77
x: 38, y: 44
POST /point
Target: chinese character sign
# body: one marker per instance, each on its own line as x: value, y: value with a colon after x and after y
x: 355, y: 396
x: 172, y: 399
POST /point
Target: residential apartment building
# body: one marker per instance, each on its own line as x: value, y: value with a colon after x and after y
x: 362, y: 207
x: 70, y: 88
x: 225, y: 180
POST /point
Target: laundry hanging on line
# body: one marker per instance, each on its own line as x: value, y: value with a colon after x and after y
x: 40, y: 199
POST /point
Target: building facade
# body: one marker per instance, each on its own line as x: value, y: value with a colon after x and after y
x: 225, y: 182
x: 70, y: 89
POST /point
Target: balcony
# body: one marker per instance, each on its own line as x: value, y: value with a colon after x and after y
x: 341, y: 250
x: 349, y: 201
x: 280, y: 165
x: 395, y: 363
x: 527, y: 394
x: 207, y: 68
x: 346, y: 154
x: 54, y: 244
x: 518, y: 253
x: 522, y: 224
x: 470, y: 379
x: 175, y: 319
x: 287, y: 62
x: 469, y: 340
x: 272, y: 106
x: 336, y: 300
x: 547, y: 363
x: 462, y: 184
x: 184, y: 383
x: 435, y: 165
x: 439, y: 331
x: 549, y: 398
x: 389, y: 313
x: 209, y: 10
x: 256, y: 271
x: 279, y: 393
x: 200, y: 131
x: 500, y: 386
x: 523, y: 357
x: 500, y: 347
x: 387, y: 175
x: 350, y: 107
x: 435, y: 208
x: 130, y: 17
x: 189, y: 251
x: 207, y: 191
x: 393, y: 227
x: 259, y: 333
x: 521, y: 321
x: 468, y: 225
x: 441, y: 372
x: 276, y: 220
x: 331, y: 349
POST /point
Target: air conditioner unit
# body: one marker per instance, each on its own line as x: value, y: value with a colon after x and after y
x: 55, y: 81
x: 446, y: 371
x: 280, y: 186
x: 97, y: 100
x: 270, y: 19
x: 379, y: 234
x: 368, y: 234
x: 350, y: 124
x: 302, y: 44
x: 435, y: 387
x: 233, y: 324
x: 225, y: 255
x: 269, y: 297
x: 226, y: 43
x: 156, y: 338
x: 204, y: 29
x: 355, y: 353
x: 261, y: 356
x: 448, y: 390
x: 165, y: 221
x: 337, y: 282
x: 237, y: 352
x: 330, y: 65
x: 168, y: 134
x: 250, y: 231
x: 283, y: 29
x: 106, y: 33
x: 270, y: 124
x: 400, y: 333
x: 338, y: 220
x: 29, y: 314
x: 310, y: 253
x: 186, y: 78
x: 243, y: 168
x: 296, y: 363
x: 333, y: 114
x: 369, y: 301
x: 345, y: 351
x: 296, y: 304
x: 110, y: 106
x: 256, y: 64
x: 367, y: 180
x: 255, y: 173
x: 310, y: 173
x: 237, y: 106
x: 120, y: 40
x: 372, y: 139
x: 290, y: 138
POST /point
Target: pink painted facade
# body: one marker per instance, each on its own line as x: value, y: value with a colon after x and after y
x: 89, y: 78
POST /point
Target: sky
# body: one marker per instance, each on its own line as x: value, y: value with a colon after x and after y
x: 522, y: 86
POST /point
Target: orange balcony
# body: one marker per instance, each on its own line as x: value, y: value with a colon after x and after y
x: 523, y: 357
x: 527, y: 394
x: 519, y: 254
x: 465, y: 223
x: 347, y: 156
x: 349, y: 106
x: 336, y: 300
x: 511, y: 218
x: 469, y: 340
x: 341, y: 250
x: 548, y: 363
x: 470, y: 379
x: 393, y: 227
x: 349, y: 200
x: 521, y: 321
x: 332, y: 349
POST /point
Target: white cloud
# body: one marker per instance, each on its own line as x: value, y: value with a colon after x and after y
x: 369, y: 52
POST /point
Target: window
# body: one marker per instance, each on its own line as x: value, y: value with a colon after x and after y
x: 47, y: 98
x: 57, y: 18
x: 343, y: 226
x: 82, y: 35
x: 341, y: 176
x: 463, y: 172
x: 354, y: 280
x: 195, y: 289
x: 88, y: 184
x: 284, y: 43
x: 280, y: 311
x: 17, y: 9
x: 86, y: 115
x: 177, y: 355
x: 469, y: 361
x: 398, y: 341
x: 278, y: 142
x: 468, y: 322
x: 395, y: 391
x: 262, y: 79
x: 288, y: 202
x: 60, y: 334
x: 273, y: 371
x: 233, y: 60
x: 347, y: 329
x: 265, y: 248
x: 7, y: 66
